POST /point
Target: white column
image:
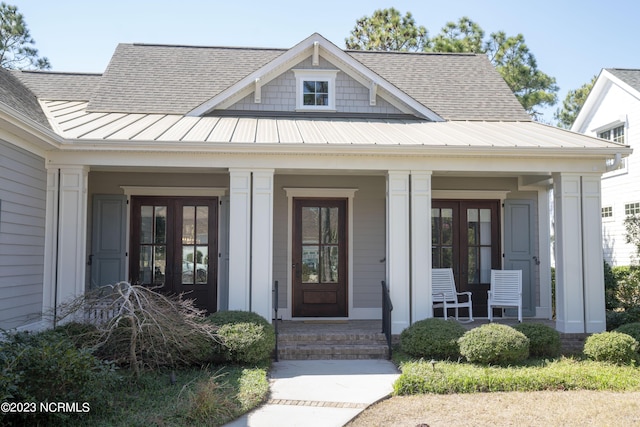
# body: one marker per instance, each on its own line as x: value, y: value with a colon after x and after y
x: 421, y: 304
x: 69, y: 248
x: 569, y: 246
x: 50, y: 245
x: 239, y: 239
x: 594, y: 304
x: 398, y: 274
x: 545, y: 309
x: 262, y: 243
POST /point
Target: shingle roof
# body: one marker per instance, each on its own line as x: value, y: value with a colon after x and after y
x: 629, y: 76
x: 54, y: 85
x: 16, y: 95
x: 455, y: 86
x: 172, y: 79
x: 176, y: 79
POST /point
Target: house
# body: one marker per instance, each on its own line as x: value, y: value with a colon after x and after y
x: 218, y: 171
x: 612, y: 111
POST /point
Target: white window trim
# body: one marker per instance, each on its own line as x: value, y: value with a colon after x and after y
x: 315, y: 75
x: 607, y: 218
x: 614, y: 124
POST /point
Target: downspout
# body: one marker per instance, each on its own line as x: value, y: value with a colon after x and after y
x: 616, y: 162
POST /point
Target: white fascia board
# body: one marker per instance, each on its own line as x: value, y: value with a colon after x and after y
x: 323, y: 149
x: 355, y: 69
x: 32, y: 136
x: 603, y: 82
x: 623, y: 85
x: 593, y: 99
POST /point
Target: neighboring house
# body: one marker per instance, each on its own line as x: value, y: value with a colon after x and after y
x: 612, y: 112
x: 218, y: 171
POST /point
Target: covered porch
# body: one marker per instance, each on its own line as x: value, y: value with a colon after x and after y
x: 389, y: 222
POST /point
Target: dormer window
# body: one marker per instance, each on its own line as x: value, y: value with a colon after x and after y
x: 315, y: 93
x: 315, y: 90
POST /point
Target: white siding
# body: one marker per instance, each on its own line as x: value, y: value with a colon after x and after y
x: 618, y: 190
x: 22, y: 229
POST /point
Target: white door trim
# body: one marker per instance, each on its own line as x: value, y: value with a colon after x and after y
x: 349, y: 194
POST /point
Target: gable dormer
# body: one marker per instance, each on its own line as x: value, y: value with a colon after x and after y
x: 315, y: 77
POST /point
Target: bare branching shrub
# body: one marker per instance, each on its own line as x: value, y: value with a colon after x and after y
x: 140, y: 327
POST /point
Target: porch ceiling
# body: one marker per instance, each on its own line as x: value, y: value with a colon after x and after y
x: 71, y: 121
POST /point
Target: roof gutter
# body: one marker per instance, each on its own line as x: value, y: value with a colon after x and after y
x: 616, y: 162
x: 25, y: 127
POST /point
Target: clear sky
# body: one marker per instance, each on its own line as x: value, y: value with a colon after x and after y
x: 572, y: 40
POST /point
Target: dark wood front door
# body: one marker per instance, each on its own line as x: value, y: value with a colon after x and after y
x: 466, y: 237
x: 174, y: 246
x: 319, y: 258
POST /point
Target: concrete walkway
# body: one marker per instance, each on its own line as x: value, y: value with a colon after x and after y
x: 323, y: 393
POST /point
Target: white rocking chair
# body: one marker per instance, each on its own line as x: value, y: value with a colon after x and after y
x: 444, y: 294
x: 506, y: 291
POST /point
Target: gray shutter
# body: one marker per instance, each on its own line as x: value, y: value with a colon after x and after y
x: 519, y: 248
x: 108, y: 242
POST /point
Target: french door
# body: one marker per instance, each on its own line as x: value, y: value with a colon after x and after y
x: 174, y: 246
x: 319, y: 256
x: 466, y: 237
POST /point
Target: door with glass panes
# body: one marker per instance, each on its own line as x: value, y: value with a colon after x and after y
x: 319, y: 258
x: 174, y: 246
x: 466, y: 237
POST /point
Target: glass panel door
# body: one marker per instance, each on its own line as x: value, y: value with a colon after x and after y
x: 466, y: 237
x: 172, y: 242
x: 319, y: 256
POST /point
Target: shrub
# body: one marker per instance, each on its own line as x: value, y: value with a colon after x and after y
x: 544, y: 341
x: 247, y: 338
x: 83, y: 335
x: 619, y: 317
x: 632, y: 329
x: 47, y: 367
x: 433, y: 338
x: 494, y: 344
x: 614, y: 347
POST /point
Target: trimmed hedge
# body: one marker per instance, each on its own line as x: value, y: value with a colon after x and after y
x: 613, y: 347
x: 494, y: 344
x: 432, y: 338
x: 544, y: 341
x: 247, y: 338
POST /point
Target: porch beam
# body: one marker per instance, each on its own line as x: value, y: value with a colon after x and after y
x: 421, y: 303
x: 262, y: 243
x: 239, y: 239
x: 398, y: 253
